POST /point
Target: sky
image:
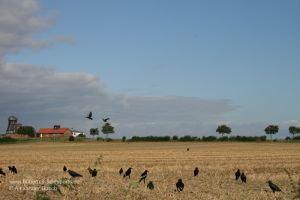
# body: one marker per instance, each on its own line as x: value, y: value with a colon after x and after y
x: 153, y: 67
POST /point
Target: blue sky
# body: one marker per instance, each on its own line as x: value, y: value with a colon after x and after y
x: 247, y: 52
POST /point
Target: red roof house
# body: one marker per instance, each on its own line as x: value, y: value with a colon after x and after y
x: 55, y: 132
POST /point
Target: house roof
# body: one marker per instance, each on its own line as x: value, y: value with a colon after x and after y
x: 53, y: 131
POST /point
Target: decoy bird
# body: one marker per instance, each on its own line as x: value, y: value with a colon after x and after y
x: 273, y: 187
x: 196, y: 171
x: 90, y: 116
x: 128, y: 172
x: 2, y: 172
x: 144, y: 176
x: 179, y: 185
x: 121, y: 171
x: 105, y: 119
x: 65, y: 168
x: 237, y: 174
x: 150, y: 185
x: 74, y: 174
x: 243, y: 178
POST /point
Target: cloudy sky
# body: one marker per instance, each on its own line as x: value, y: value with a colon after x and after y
x: 153, y: 67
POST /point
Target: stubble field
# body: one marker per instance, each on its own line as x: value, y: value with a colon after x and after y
x: 40, y: 168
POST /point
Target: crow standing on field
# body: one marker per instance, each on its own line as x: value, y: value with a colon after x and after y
x: 2, y: 172
x: 274, y: 187
x: 89, y: 116
x: 121, y: 171
x: 237, y: 174
x: 13, y: 169
x: 65, y: 168
x: 74, y: 174
x: 179, y: 185
x: 93, y: 172
x: 150, y: 185
x: 144, y: 176
x: 243, y: 178
x: 196, y: 171
x: 128, y: 172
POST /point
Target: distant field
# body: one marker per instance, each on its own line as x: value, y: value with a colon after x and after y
x: 39, y: 164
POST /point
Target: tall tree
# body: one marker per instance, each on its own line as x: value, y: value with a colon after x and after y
x: 271, y: 130
x: 107, y: 128
x: 222, y: 129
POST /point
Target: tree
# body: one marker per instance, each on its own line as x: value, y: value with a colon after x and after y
x: 271, y: 130
x: 94, y: 131
x: 222, y: 129
x: 293, y: 130
x: 26, y: 130
x: 107, y: 128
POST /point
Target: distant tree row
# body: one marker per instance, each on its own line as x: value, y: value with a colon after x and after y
x: 270, y: 130
x: 188, y: 138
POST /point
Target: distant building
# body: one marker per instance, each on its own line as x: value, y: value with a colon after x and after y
x: 75, y: 133
x: 12, y: 126
x: 56, y: 131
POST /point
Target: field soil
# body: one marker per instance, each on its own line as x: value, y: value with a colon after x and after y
x: 40, y: 170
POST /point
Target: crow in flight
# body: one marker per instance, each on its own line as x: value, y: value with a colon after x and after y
x: 144, y: 176
x: 128, y: 172
x: 196, y: 171
x: 179, y: 185
x: 237, y: 174
x: 274, y: 187
x: 90, y: 116
x: 105, y: 119
x: 150, y: 185
x: 74, y: 174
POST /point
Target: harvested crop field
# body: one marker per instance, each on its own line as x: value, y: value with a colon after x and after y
x: 40, y: 170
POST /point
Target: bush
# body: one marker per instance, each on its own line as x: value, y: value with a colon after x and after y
x: 26, y: 130
x: 151, y: 138
x: 123, y: 139
x: 187, y: 138
x: 71, y: 138
x: 175, y: 138
x: 209, y: 138
x: 224, y: 138
x: 81, y: 135
x: 100, y: 138
x: 287, y: 138
x: 296, y: 138
x: 109, y: 139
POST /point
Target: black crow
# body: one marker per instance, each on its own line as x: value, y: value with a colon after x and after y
x: 144, y: 176
x: 10, y: 169
x: 90, y: 170
x: 74, y: 174
x: 65, y: 168
x: 105, y: 119
x: 150, y: 185
x: 128, y: 172
x: 196, y: 171
x: 90, y: 116
x: 188, y: 149
x: 14, y: 170
x: 274, y: 187
x: 2, y: 172
x: 121, y: 171
x: 179, y: 185
x: 237, y: 174
x: 94, y: 173
x: 243, y: 178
